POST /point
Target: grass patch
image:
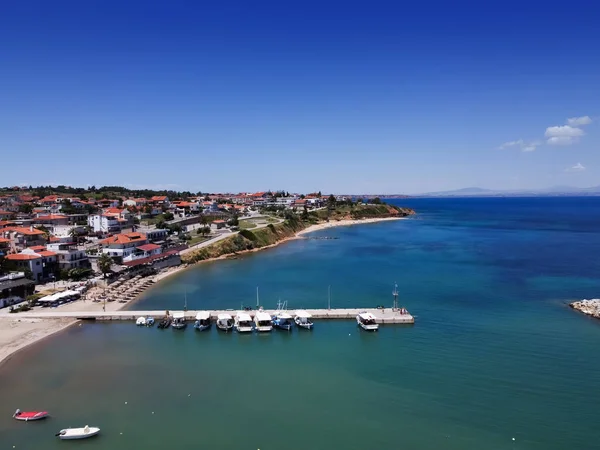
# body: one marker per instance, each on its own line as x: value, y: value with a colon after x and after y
x: 246, y: 224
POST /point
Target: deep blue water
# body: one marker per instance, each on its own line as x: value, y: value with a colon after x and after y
x: 495, y: 352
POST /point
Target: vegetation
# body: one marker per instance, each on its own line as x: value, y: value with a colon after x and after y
x: 248, y: 239
x: 246, y: 224
x: 104, y: 263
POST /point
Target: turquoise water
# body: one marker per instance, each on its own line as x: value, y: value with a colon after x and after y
x: 495, y: 354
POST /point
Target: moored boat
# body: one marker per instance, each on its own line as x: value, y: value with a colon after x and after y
x: 243, y: 322
x: 27, y: 416
x: 141, y: 321
x: 283, y: 320
x: 224, y: 322
x: 263, y: 321
x: 78, y: 433
x: 165, y: 323
x: 367, y: 321
x: 179, y: 322
x: 202, y: 321
x: 149, y: 321
x: 302, y: 319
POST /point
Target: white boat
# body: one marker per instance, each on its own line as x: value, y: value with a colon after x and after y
x: 78, y: 433
x: 367, y: 321
x: 179, y: 322
x: 263, y: 321
x: 141, y: 321
x: 149, y: 321
x: 202, y: 321
x: 243, y: 322
x: 302, y: 319
x: 224, y: 322
x: 283, y: 320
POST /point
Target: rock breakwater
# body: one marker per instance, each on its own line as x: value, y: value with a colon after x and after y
x: 589, y: 307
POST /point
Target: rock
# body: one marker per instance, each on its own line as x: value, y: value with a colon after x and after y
x: 590, y: 307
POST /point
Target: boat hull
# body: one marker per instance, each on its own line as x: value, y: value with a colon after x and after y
x: 78, y: 433
x: 200, y: 327
x: 225, y: 328
x: 28, y: 416
x: 305, y: 325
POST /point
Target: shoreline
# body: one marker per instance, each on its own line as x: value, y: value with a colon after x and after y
x: 17, y: 334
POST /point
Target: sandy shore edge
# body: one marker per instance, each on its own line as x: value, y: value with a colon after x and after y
x: 17, y: 333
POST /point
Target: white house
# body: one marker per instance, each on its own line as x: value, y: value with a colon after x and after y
x: 124, y: 244
x: 143, y: 251
x: 104, y: 224
x: 69, y: 257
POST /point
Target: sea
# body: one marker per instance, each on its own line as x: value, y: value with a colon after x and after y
x: 496, y: 359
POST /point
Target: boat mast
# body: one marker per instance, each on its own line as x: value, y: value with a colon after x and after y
x: 185, y: 301
x: 395, y: 294
x: 256, y: 297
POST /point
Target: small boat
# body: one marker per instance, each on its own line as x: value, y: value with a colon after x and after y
x: 283, y: 320
x: 224, y: 322
x: 202, y: 321
x: 149, y: 321
x: 78, y: 433
x: 141, y: 321
x: 367, y: 321
x: 302, y: 319
x: 29, y: 415
x: 179, y: 322
x: 263, y: 321
x: 243, y: 322
x: 165, y: 323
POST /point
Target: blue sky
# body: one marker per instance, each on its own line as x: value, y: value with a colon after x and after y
x: 362, y: 97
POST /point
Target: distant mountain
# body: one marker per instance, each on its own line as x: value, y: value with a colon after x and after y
x: 550, y: 191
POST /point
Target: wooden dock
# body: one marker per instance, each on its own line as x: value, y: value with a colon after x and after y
x: 383, y: 316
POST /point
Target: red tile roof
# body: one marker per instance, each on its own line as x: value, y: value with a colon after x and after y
x: 148, y: 247
x: 124, y: 238
x: 53, y: 217
x: 22, y: 257
x: 4, y: 241
x: 46, y: 253
x: 37, y: 248
x: 24, y: 230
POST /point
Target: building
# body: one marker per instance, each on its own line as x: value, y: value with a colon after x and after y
x: 218, y: 224
x: 101, y: 223
x: 23, y: 237
x: 42, y: 264
x: 69, y: 256
x: 154, y: 234
x: 144, y: 251
x: 123, y: 245
x: 14, y: 288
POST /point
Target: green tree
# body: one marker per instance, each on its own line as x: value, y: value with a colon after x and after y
x: 331, y: 201
x: 234, y: 221
x: 74, y: 234
x: 376, y: 201
x: 104, y: 263
x: 304, y: 215
x: 168, y: 216
x: 26, y: 208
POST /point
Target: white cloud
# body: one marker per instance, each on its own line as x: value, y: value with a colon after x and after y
x: 563, y: 135
x: 524, y: 146
x: 576, y: 168
x: 579, y: 121
x: 558, y: 135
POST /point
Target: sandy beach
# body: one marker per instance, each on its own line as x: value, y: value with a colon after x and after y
x: 17, y: 333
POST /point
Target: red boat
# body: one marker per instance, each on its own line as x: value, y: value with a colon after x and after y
x: 30, y: 415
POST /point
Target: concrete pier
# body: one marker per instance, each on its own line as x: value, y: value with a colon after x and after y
x: 385, y: 316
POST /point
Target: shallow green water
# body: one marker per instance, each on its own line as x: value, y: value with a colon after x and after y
x: 495, y: 353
